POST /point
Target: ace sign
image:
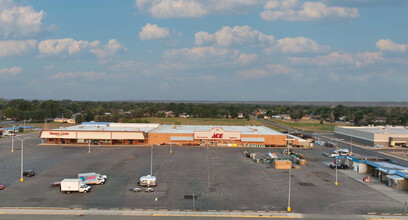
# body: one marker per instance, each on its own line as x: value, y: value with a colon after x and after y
x: 217, y: 133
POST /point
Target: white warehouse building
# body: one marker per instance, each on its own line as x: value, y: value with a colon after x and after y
x: 388, y: 136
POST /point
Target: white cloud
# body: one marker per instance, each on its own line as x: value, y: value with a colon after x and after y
x: 252, y: 73
x: 278, y: 69
x: 49, y: 67
x: 390, y: 46
x: 203, y: 54
x: 174, y: 8
x: 64, y: 46
x: 109, y: 49
x: 335, y: 58
x: 19, y: 21
x: 153, y: 32
x: 11, y: 71
x: 69, y: 46
x: 237, y: 35
x: 297, y: 45
x: 245, y: 59
x: 16, y: 47
x: 268, y: 71
x: 72, y: 75
x: 280, y: 4
x: 195, y: 8
x: 309, y: 11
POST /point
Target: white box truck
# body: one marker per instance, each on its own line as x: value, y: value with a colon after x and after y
x: 92, y: 178
x: 74, y: 185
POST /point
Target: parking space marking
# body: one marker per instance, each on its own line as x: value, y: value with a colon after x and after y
x: 227, y: 216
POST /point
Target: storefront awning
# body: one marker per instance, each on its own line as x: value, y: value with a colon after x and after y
x: 394, y: 177
x: 181, y: 138
x: 252, y: 139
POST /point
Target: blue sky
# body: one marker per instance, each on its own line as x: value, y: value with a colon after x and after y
x: 241, y: 50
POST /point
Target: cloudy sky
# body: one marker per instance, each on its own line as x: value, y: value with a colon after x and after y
x: 241, y: 50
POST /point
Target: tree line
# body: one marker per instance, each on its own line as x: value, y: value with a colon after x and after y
x: 121, y: 111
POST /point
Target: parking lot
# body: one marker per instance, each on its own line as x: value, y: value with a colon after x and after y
x: 223, y: 179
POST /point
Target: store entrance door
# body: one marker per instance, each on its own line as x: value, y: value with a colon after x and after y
x: 213, y: 143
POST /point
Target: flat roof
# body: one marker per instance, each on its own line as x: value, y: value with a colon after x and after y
x: 109, y: 126
x: 190, y: 129
x: 380, y: 129
x: 391, y: 166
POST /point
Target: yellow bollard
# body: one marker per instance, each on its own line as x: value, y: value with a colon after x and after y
x: 336, y: 183
x: 21, y: 180
x: 288, y: 209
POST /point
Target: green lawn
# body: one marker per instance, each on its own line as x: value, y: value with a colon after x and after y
x: 308, y: 125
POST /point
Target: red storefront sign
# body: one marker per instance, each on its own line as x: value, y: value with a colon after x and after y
x: 218, y: 134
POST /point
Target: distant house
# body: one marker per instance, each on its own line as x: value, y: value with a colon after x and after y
x: 266, y: 117
x: 240, y: 115
x: 259, y: 112
x: 169, y: 113
x: 60, y: 120
x: 64, y: 120
x: 306, y: 117
x: 285, y: 116
x: 380, y: 119
x: 276, y: 116
x: 342, y: 118
x: 71, y: 120
x: 184, y: 115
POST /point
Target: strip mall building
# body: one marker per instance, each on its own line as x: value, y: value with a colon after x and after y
x: 98, y: 133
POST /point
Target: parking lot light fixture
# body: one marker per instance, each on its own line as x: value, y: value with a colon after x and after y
x: 12, y: 140
x: 336, y: 183
x: 22, y: 161
x: 290, y: 177
x: 89, y: 146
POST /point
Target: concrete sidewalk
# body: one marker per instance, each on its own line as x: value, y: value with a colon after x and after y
x: 114, y: 213
x: 139, y: 212
x: 401, y: 196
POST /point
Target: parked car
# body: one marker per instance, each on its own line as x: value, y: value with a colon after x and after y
x: 149, y: 189
x: 339, y: 166
x: 136, y: 190
x: 1, y: 187
x: 29, y: 173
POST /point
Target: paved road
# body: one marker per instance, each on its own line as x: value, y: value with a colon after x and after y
x: 132, y: 214
x: 223, y: 177
x: 343, y: 144
x: 287, y: 127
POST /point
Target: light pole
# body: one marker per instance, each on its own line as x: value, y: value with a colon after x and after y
x: 290, y: 177
x: 335, y: 164
x: 151, y: 161
x: 351, y: 150
x: 89, y: 146
x: 155, y: 200
x: 192, y: 188
x: 12, y: 140
x: 22, y: 161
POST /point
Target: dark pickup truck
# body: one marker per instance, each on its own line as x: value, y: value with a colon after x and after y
x: 339, y: 166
